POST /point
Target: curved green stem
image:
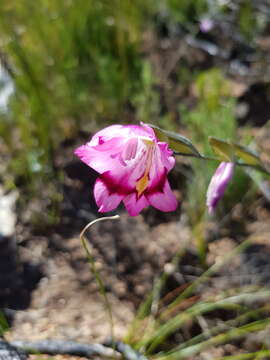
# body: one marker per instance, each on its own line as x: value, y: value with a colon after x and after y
x: 94, y: 270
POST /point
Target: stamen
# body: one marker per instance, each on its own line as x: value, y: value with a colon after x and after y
x: 130, y: 149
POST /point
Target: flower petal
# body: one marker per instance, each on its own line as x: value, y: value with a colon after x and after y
x: 133, y: 205
x: 106, y: 134
x: 130, y: 149
x: 123, y: 131
x: 164, y: 200
x: 103, y: 151
x: 123, y: 176
x: 105, y: 200
x: 100, y: 157
x: 138, y: 130
x: 162, y: 163
x: 166, y: 157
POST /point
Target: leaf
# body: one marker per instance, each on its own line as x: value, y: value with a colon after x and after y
x: 228, y: 151
x: 223, y: 149
x: 176, y: 142
x: 160, y: 134
x: 248, y: 156
x: 3, y: 324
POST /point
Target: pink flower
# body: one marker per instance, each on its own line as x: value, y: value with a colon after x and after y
x: 133, y: 166
x: 218, y: 184
x: 206, y: 25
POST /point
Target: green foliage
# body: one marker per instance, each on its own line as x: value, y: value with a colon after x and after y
x: 232, y: 152
x: 178, y: 143
x: 251, y: 22
x: 79, y: 65
x: 160, y: 319
x: 3, y: 324
x: 186, y: 11
x: 160, y: 322
x: 213, y: 114
x: 246, y: 19
x: 147, y: 100
x: 74, y: 63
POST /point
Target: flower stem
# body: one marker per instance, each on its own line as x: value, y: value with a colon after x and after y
x: 212, y: 158
x: 94, y: 270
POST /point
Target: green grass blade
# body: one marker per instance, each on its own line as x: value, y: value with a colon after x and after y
x: 263, y: 354
x: 160, y: 335
x: 236, y: 322
x: 226, y: 337
x: 209, y: 272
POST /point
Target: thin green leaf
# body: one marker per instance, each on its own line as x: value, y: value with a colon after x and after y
x: 145, y: 307
x: 176, y: 142
x: 163, y: 331
x: 209, y: 272
x: 248, y: 156
x: 225, y: 337
x: 229, y: 151
x: 93, y: 268
x: 3, y: 324
x: 222, y: 327
x: 161, y: 334
x: 262, y: 354
x: 232, y: 302
x: 223, y: 149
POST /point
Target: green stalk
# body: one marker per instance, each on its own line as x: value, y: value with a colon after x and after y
x: 226, y: 337
x: 154, y: 339
x: 217, y: 160
x: 208, y: 273
x: 146, y: 306
x: 94, y: 270
x: 262, y: 354
x: 239, y: 320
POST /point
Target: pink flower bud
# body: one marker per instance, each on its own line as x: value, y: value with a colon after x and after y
x: 218, y: 184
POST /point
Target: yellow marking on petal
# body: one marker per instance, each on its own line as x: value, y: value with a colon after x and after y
x: 142, y: 184
x: 147, y: 142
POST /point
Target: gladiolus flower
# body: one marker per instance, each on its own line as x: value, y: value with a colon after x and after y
x: 133, y: 166
x: 218, y: 184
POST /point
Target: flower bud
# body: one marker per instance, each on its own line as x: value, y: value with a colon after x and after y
x: 218, y: 184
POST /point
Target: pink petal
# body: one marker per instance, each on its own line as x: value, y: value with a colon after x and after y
x: 130, y: 149
x: 162, y: 163
x: 107, y: 133
x: 124, y: 131
x: 103, y: 151
x: 164, y: 200
x: 122, y: 177
x: 104, y: 199
x: 206, y: 24
x: 133, y: 205
x: 139, y: 130
x: 116, y: 184
x: 166, y: 156
x: 100, y: 157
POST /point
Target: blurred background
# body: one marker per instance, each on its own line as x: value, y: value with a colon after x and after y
x: 71, y: 67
